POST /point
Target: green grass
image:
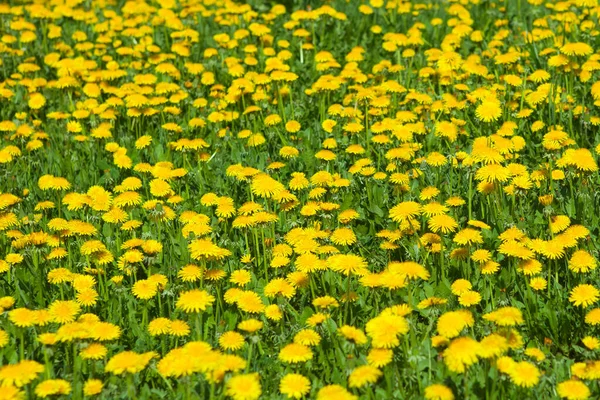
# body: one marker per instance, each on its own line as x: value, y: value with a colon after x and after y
x: 448, y: 78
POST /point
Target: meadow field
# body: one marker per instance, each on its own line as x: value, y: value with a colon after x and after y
x: 382, y: 199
